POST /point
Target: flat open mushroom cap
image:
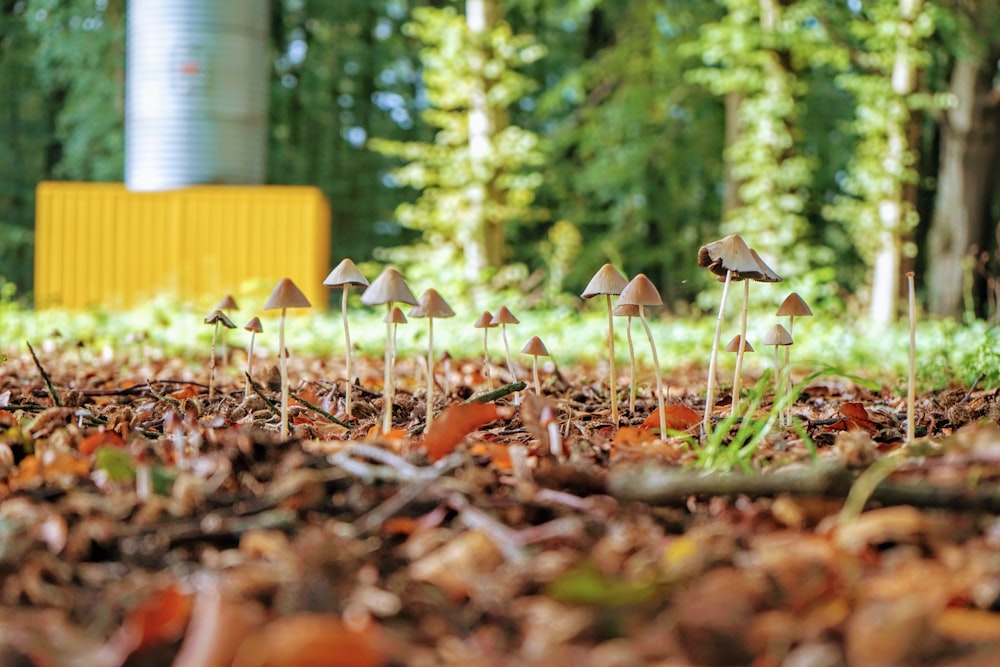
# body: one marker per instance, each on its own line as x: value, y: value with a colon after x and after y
x: 389, y: 287
x: 504, y: 316
x: 535, y: 347
x: 431, y: 304
x: 286, y: 294
x: 794, y: 306
x: 227, y: 303
x: 626, y: 310
x: 777, y: 335
x: 345, y: 273
x: 485, y: 321
x: 394, y: 316
x: 731, y: 253
x: 640, y: 291
x: 734, y: 345
x: 220, y: 317
x: 607, y: 280
x: 254, y: 325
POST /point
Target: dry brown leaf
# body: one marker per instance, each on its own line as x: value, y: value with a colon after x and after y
x: 969, y: 625
x: 456, y: 422
x: 678, y: 417
x: 311, y: 640
x: 460, y: 561
x: 90, y: 444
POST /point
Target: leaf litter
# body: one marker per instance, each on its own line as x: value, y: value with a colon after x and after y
x: 144, y: 523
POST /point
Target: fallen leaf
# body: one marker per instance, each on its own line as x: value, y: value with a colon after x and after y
x: 969, y: 625
x: 190, y: 391
x: 630, y: 436
x: 160, y: 618
x: 311, y: 640
x: 678, y: 417
x: 458, y: 563
x: 218, y: 626
x: 857, y: 418
x: 499, y: 454
x: 456, y: 422
x: 90, y: 444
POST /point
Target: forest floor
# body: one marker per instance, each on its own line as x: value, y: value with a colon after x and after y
x: 144, y: 522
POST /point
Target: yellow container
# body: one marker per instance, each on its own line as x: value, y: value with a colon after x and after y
x: 100, y: 245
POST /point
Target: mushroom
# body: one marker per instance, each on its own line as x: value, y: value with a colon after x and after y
x: 394, y: 317
x: 607, y: 281
x: 793, y: 306
x: 629, y: 311
x: 777, y: 336
x: 227, y: 305
x: 285, y: 295
x: 254, y: 327
x: 730, y: 258
x: 734, y: 346
x: 911, y: 385
x: 388, y: 288
x: 344, y: 275
x: 503, y: 317
x: 215, y: 318
x: 431, y: 305
x: 485, y: 322
x: 641, y: 292
x: 536, y: 348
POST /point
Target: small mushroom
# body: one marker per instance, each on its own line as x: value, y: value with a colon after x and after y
x: 215, y: 318
x: 734, y: 346
x: 431, y: 305
x: 730, y: 258
x: 793, y: 306
x: 629, y: 311
x: 390, y: 287
x: 536, y: 348
x: 394, y: 317
x: 777, y: 336
x: 254, y: 327
x: 285, y: 295
x: 608, y: 281
x: 485, y: 322
x: 227, y: 305
x: 641, y: 292
x: 344, y: 275
x: 503, y: 317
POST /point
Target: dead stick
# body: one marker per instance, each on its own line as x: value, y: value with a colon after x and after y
x: 319, y: 410
x: 497, y: 393
x: 260, y: 392
x: 45, y: 376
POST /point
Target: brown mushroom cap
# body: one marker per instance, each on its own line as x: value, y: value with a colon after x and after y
x: 485, y: 321
x: 535, y: 347
x: 640, y: 291
x: 394, y: 316
x: 220, y: 317
x: 626, y: 310
x: 607, y: 280
x: 734, y: 345
x: 731, y: 253
x: 254, y: 325
x: 431, y: 304
x: 504, y: 316
x: 389, y: 287
x: 794, y: 306
x: 227, y: 303
x: 286, y: 294
x: 345, y: 273
x: 777, y: 335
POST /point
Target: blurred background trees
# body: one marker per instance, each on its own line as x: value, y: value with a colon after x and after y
x: 849, y: 140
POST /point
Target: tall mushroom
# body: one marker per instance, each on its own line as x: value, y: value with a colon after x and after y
x: 793, y: 306
x: 394, y: 317
x: 216, y: 318
x: 777, y: 336
x: 227, y: 305
x: 254, y: 327
x: 608, y: 281
x: 485, y: 322
x: 536, y: 348
x: 911, y: 384
x: 730, y: 258
x: 344, y: 275
x: 629, y: 311
x: 641, y: 292
x: 285, y: 295
x: 503, y: 317
x: 390, y: 287
x: 431, y: 305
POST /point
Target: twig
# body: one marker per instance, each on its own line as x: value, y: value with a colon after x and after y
x: 497, y: 393
x: 45, y: 376
x: 972, y: 388
x: 162, y: 397
x: 319, y: 410
x: 260, y: 392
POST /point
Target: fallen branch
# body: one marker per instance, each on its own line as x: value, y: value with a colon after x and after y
x: 45, y: 376
x: 318, y: 410
x: 497, y: 393
x: 260, y: 392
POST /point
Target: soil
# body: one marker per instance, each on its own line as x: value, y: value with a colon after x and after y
x: 146, y: 522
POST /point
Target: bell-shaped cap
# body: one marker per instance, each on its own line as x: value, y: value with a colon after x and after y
x: 794, y: 306
x: 345, y: 273
x: 731, y: 253
x: 227, y: 303
x: 734, y: 345
x: 504, y: 316
x: 535, y: 347
x: 389, y: 287
x: 485, y: 321
x: 286, y: 294
x: 395, y: 316
x: 607, y: 280
x: 431, y: 304
x: 217, y: 316
x: 640, y: 291
x: 254, y: 325
x: 626, y: 310
x: 777, y: 335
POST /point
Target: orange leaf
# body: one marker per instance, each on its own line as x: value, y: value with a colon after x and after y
x: 400, y: 525
x: 857, y: 417
x: 6, y: 418
x: 189, y: 391
x: 629, y: 436
x: 394, y: 435
x: 311, y: 640
x: 679, y: 417
x: 456, y: 422
x: 161, y: 618
x: 306, y: 395
x: 90, y: 444
x: 499, y: 454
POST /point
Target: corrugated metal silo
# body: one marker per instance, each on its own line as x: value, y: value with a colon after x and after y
x: 196, y: 93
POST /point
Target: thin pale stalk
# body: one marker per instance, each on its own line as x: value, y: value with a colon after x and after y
x: 211, y: 372
x: 612, y: 378
x: 534, y: 373
x: 777, y: 376
x: 738, y: 375
x: 631, y: 360
x: 510, y: 364
x: 656, y: 369
x: 347, y: 350
x: 246, y: 391
x: 283, y: 365
x: 788, y: 369
x: 486, y: 358
x: 911, y: 388
x: 387, y: 378
x: 706, y: 424
x: 430, y: 372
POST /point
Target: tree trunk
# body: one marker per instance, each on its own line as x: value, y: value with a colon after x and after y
x: 731, y: 186
x: 967, y: 176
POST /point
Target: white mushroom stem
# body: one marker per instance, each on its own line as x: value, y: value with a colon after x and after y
x: 548, y: 418
x: 430, y: 372
x: 283, y: 365
x: 788, y: 369
x: 211, y: 373
x: 486, y: 358
x: 631, y: 359
x: 777, y: 376
x: 706, y: 424
x: 738, y: 375
x: 387, y: 389
x: 534, y: 374
x: 911, y: 388
x: 510, y: 364
x: 347, y: 351
x: 246, y: 391
x: 656, y: 369
x: 612, y: 378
